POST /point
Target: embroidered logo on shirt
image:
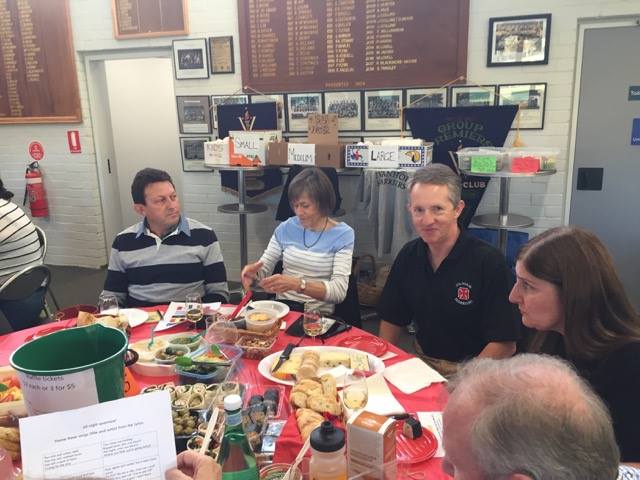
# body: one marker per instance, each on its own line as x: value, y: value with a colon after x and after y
x: 463, y: 296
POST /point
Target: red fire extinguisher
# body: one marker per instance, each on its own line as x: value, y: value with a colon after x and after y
x: 35, y: 191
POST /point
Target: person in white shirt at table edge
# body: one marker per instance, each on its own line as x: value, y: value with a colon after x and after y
x: 167, y: 255
x: 454, y: 286
x: 315, y: 250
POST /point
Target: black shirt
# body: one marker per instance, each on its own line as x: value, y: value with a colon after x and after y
x: 457, y: 309
x: 616, y: 379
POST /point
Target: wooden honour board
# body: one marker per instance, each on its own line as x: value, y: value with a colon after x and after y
x: 308, y: 45
x: 38, y: 81
x: 149, y: 18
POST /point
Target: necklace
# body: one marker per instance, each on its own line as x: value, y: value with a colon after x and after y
x: 304, y: 235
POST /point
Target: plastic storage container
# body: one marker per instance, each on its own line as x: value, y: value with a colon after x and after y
x: 255, y: 347
x: 261, y: 319
x: 482, y: 159
x: 544, y: 158
x: 215, y: 373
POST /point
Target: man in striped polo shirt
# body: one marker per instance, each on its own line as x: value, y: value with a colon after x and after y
x: 165, y: 256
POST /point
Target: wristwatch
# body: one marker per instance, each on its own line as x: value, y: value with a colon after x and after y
x: 302, y: 286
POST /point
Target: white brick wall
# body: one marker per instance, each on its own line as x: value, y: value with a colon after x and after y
x: 75, y: 228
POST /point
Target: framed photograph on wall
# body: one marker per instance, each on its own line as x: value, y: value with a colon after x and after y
x: 382, y: 110
x: 190, y: 58
x: 225, y: 100
x: 531, y: 97
x: 275, y: 97
x: 193, y: 114
x: 522, y: 40
x: 221, y: 55
x: 348, y: 107
x: 425, y: 98
x: 472, y: 96
x: 192, y: 149
x: 299, y: 106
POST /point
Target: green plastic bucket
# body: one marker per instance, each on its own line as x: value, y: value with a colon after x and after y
x: 71, y: 368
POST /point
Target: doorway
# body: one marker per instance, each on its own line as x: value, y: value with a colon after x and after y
x: 135, y: 126
x: 604, y: 191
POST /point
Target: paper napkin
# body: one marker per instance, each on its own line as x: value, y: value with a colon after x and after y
x: 381, y: 400
x: 433, y: 421
x: 412, y: 375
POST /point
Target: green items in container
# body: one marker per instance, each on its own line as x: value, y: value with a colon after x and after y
x: 484, y: 163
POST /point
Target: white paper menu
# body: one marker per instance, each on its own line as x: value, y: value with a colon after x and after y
x: 127, y: 439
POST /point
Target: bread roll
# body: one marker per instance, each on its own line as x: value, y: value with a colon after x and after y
x: 329, y: 387
x: 298, y: 399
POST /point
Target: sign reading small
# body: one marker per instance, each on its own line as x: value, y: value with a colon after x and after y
x: 634, y: 92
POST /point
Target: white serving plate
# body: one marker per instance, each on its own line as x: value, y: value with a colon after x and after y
x: 264, y: 367
x: 280, y: 308
x: 135, y: 316
x: 151, y: 368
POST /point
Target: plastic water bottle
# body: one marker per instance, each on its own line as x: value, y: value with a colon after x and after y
x: 236, y: 457
x: 328, y: 461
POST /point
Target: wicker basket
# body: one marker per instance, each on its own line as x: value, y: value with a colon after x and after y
x: 369, y: 292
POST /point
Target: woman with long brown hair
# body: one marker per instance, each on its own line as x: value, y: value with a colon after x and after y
x: 567, y: 283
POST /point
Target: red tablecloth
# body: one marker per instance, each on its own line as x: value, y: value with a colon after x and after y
x: 432, y: 398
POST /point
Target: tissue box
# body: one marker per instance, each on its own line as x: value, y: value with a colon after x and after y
x: 216, y: 153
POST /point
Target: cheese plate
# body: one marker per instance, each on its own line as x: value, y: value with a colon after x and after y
x: 338, y: 370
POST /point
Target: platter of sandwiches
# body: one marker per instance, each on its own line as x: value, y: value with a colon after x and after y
x: 312, y: 362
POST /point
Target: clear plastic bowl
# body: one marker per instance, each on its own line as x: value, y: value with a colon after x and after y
x: 261, y: 319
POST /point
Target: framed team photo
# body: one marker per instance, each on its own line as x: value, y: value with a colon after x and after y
x: 522, y: 40
x: 382, y: 110
x: 190, y: 58
x: 348, y: 107
x: 192, y: 149
x: 531, y: 98
x: 475, y: 96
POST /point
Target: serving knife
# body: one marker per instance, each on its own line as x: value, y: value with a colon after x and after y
x: 284, y: 356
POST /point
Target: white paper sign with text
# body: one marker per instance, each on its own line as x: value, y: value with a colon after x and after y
x: 301, y: 154
x: 127, y: 439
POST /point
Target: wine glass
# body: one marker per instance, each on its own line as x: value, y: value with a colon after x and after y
x: 193, y: 307
x: 108, y: 304
x: 355, y: 393
x: 312, y: 321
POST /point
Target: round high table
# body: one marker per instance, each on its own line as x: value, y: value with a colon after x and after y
x: 504, y: 221
x: 242, y: 208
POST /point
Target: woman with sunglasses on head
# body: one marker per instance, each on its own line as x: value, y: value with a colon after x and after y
x: 567, y: 283
x: 315, y: 250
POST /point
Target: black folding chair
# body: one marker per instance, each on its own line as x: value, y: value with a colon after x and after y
x: 25, y: 283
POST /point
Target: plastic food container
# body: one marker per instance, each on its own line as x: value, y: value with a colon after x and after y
x: 545, y: 158
x: 481, y: 159
x: 209, y: 373
x: 168, y: 355
x: 261, y: 319
x: 181, y: 339
x: 255, y: 347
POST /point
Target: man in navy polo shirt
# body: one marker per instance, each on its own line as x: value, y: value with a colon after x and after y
x: 453, y: 286
x: 166, y: 255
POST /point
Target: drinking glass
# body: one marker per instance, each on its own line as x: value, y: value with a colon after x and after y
x: 355, y: 393
x: 108, y: 304
x: 193, y: 307
x: 312, y: 321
